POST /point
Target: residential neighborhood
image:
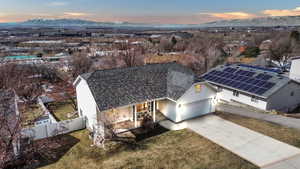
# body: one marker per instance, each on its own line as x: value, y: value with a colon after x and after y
x: 149, y: 84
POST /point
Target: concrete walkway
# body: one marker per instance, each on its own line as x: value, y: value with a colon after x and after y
x: 281, y: 120
x: 261, y: 150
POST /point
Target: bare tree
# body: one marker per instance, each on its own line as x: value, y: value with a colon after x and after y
x: 166, y: 45
x: 132, y: 55
x: 24, y: 79
x: 204, y: 51
x: 10, y: 129
x: 257, y: 39
x: 80, y: 64
x: 281, y: 50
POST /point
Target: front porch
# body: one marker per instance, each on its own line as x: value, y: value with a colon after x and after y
x: 138, y: 115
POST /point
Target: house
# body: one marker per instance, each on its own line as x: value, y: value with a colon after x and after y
x: 47, y: 117
x: 126, y: 96
x: 295, y: 69
x: 9, y: 116
x: 262, y: 88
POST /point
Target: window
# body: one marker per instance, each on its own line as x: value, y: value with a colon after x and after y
x: 236, y: 93
x: 220, y: 89
x: 254, y: 99
x: 198, y: 88
x: 80, y: 112
x: 292, y: 93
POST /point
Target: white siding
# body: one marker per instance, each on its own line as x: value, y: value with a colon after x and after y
x: 295, y: 70
x: 228, y: 96
x: 194, y: 109
x: 283, y: 100
x: 191, y: 104
x: 168, y: 109
x: 86, y: 104
x: 191, y: 95
x: 196, y: 103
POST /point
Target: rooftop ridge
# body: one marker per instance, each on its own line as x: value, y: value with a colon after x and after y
x: 260, y: 68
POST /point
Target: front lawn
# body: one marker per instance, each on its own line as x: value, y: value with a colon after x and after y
x: 170, y: 150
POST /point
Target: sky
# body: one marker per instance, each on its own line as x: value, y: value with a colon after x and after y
x: 146, y: 11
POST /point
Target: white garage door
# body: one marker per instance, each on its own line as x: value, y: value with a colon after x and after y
x: 196, y: 109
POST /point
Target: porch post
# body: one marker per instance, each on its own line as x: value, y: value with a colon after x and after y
x: 154, y: 110
x: 135, y: 116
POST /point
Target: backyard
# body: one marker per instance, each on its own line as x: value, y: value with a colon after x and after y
x: 61, y: 109
x: 30, y: 114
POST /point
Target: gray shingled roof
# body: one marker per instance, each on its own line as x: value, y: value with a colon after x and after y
x: 120, y: 87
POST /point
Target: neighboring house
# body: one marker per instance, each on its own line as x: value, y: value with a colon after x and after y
x: 47, y: 117
x: 295, y: 69
x: 9, y: 115
x: 126, y: 95
x: 258, y: 87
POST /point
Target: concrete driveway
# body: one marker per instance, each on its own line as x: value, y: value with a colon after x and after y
x: 261, y: 150
x: 278, y: 119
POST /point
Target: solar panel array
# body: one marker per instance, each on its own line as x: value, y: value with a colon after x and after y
x: 241, y: 79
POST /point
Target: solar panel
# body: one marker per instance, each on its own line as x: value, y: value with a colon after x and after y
x: 235, y: 84
x: 218, y: 73
x: 240, y: 72
x: 223, y: 80
x: 227, y: 82
x: 230, y: 70
x: 263, y: 76
x: 261, y: 83
x: 267, y: 77
x: 247, y: 87
x: 260, y: 91
x: 250, y: 80
x: 259, y: 76
x: 214, y: 78
x: 250, y: 74
x: 241, y: 79
x: 253, y: 89
x: 269, y: 85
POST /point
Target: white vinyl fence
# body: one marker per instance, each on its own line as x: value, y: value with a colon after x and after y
x: 54, y: 129
x: 46, y: 111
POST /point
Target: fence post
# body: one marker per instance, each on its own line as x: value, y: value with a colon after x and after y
x: 46, y: 128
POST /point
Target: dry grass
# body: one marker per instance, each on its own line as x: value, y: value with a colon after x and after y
x: 61, y: 109
x: 170, y: 150
x: 30, y: 114
x: 284, y: 134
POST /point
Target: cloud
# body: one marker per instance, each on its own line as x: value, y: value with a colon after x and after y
x: 57, y: 3
x: 282, y: 12
x: 230, y: 15
x: 76, y: 14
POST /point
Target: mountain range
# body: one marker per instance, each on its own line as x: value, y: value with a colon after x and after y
x: 260, y: 22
